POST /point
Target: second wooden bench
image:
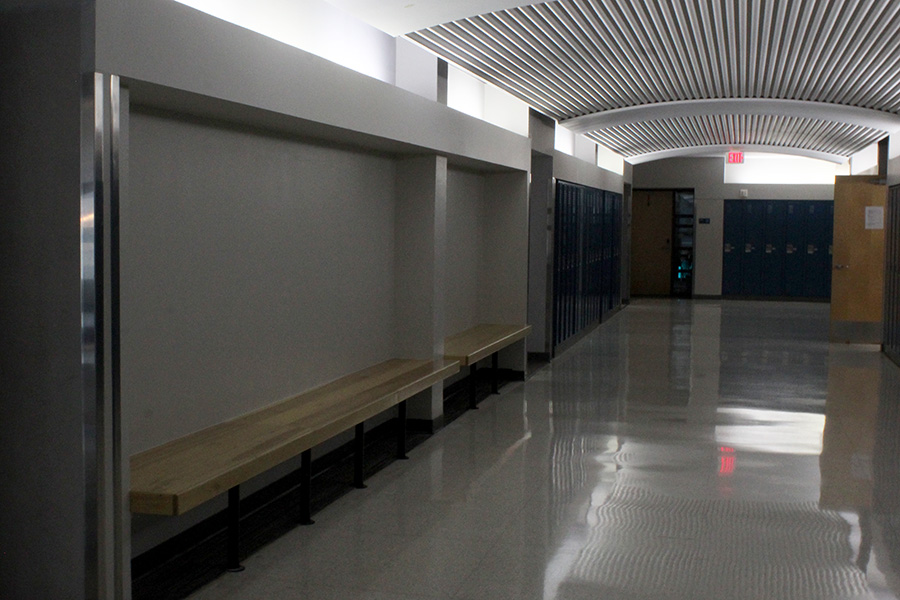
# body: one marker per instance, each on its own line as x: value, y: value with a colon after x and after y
x: 481, y: 341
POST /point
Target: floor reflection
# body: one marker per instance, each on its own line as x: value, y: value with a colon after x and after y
x: 742, y: 459
x: 685, y: 451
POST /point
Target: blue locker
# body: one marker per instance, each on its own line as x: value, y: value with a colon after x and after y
x: 795, y: 251
x: 733, y: 247
x: 592, y: 287
x: 773, y: 252
x: 818, y: 241
x: 752, y: 251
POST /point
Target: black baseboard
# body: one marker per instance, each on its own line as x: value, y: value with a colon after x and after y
x: 427, y: 426
x: 539, y: 357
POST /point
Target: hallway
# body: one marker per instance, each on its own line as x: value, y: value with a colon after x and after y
x: 684, y: 450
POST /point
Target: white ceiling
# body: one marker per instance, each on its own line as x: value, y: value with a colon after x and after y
x: 649, y: 78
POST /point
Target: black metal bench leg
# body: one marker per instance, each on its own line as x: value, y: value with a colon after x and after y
x: 305, y: 487
x: 401, y: 431
x: 473, y: 386
x: 495, y: 372
x: 234, y: 530
x: 359, y: 456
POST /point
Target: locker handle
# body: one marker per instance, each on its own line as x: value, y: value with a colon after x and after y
x: 841, y: 267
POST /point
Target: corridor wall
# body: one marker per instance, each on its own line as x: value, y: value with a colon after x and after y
x: 706, y: 177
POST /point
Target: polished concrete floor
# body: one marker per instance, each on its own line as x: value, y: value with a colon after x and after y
x: 685, y: 450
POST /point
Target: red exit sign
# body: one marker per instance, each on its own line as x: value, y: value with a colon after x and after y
x: 735, y: 158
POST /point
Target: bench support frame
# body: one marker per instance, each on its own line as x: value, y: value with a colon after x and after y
x: 234, y: 531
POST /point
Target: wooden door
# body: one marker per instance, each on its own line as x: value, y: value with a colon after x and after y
x: 857, y: 282
x: 651, y: 243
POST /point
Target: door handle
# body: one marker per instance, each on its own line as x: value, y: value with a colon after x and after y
x: 841, y: 267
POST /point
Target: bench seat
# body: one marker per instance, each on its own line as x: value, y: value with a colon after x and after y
x: 478, y: 342
x: 177, y: 476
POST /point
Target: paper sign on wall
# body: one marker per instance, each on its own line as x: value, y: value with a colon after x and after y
x: 874, y: 217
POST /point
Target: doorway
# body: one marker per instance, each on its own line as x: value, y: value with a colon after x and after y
x: 662, y: 243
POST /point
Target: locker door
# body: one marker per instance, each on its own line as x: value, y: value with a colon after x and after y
x: 733, y: 244
x: 773, y: 252
x: 818, y: 239
x: 617, y: 250
x: 795, y: 249
x: 596, y: 246
x: 754, y: 246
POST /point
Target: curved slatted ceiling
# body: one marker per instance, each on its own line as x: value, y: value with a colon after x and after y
x: 825, y: 137
x: 571, y: 58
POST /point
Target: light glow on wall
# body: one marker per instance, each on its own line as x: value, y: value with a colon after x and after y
x: 565, y: 140
x: 465, y: 92
x: 865, y: 162
x: 314, y: 26
x: 609, y: 160
x: 765, y: 168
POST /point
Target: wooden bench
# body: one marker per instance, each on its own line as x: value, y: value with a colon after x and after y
x: 177, y: 476
x: 481, y: 341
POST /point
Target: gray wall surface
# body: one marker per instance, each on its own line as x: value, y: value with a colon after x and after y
x: 465, y: 232
x: 42, y: 468
x: 706, y: 177
x: 253, y: 267
x: 569, y: 168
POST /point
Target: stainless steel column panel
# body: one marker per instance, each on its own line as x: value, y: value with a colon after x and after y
x: 104, y: 510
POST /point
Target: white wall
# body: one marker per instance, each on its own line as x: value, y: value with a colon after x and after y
x: 416, y: 69
x: 472, y: 96
x: 253, y: 267
x: 865, y: 162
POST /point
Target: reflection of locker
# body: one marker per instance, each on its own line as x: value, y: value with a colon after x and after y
x: 773, y: 251
x: 752, y: 251
x: 733, y: 247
